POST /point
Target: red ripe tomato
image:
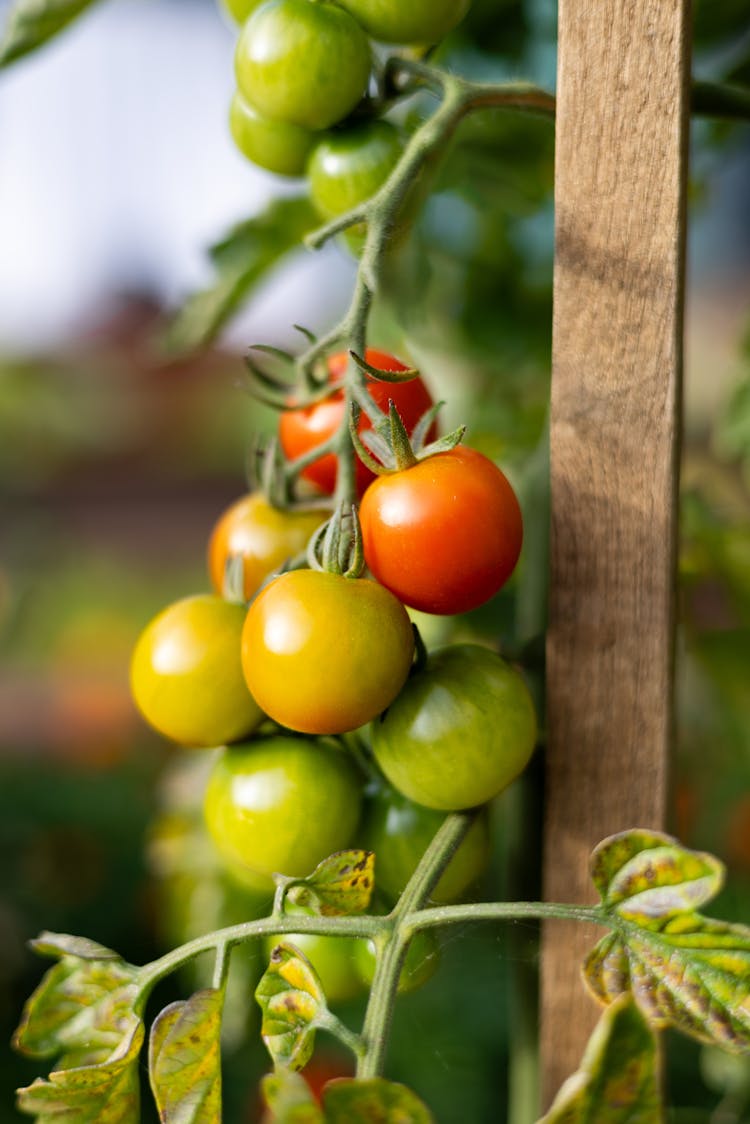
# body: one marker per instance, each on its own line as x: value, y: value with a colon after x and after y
x: 301, y: 429
x: 445, y: 534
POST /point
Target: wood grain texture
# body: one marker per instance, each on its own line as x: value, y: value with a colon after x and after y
x: 617, y: 343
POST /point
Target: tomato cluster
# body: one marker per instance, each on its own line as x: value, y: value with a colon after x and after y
x: 303, y: 70
x: 286, y: 658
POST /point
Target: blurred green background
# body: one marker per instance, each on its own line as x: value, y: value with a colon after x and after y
x: 117, y: 456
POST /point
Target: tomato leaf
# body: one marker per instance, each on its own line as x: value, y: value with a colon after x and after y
x: 32, y: 23
x: 341, y: 884
x: 291, y: 998
x: 646, y: 875
x: 683, y: 969
x: 347, y: 1100
x: 81, y: 1008
x: 618, y: 1081
x: 241, y: 259
x: 289, y: 1099
x: 97, y: 1094
x: 184, y: 1059
x: 62, y: 944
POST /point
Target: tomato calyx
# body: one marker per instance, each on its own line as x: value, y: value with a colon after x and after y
x: 388, y: 448
x: 337, y: 547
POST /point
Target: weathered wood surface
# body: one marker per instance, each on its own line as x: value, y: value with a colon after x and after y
x: 617, y: 342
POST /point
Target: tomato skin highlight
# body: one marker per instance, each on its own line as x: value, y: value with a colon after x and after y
x: 186, y: 676
x: 444, y: 535
x: 281, y: 805
x: 324, y: 654
x: 460, y: 731
x: 302, y: 428
x: 264, y: 536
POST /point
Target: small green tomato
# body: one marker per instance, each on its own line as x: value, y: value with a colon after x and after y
x: 306, y: 62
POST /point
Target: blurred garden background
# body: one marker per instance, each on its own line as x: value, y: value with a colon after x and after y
x: 120, y: 446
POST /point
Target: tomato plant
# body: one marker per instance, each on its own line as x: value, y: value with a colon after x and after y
x: 345, y: 645
x: 261, y: 535
x: 398, y: 831
x: 460, y: 731
x: 282, y: 804
x: 186, y: 676
x: 277, y: 146
x: 302, y: 428
x: 445, y: 534
x: 418, y: 21
x: 303, y: 62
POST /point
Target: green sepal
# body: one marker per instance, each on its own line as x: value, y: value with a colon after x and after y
x: 347, y: 1100
x: 108, y: 1093
x: 443, y: 444
x: 32, y: 23
x: 290, y: 996
x: 646, y: 875
x: 336, y: 547
x: 341, y: 884
x: 289, y: 1100
x: 368, y: 443
x: 241, y: 260
x: 184, y: 1059
x: 380, y: 375
x: 618, y: 1080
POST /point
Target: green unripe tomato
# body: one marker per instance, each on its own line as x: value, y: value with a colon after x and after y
x: 407, y: 21
x: 333, y: 958
x: 276, y: 146
x: 186, y: 676
x: 349, y: 165
x: 399, y: 832
x: 282, y: 804
x: 462, y: 728
x: 421, y: 962
x: 302, y: 61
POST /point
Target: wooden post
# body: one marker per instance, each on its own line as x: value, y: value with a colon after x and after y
x: 617, y: 339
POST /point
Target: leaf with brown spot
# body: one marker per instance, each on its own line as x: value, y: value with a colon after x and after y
x: 82, y: 1008
x: 98, y: 1094
x: 184, y: 1059
x: 647, y: 876
x: 341, y: 884
x: 291, y: 998
x: 618, y: 1080
x: 348, y: 1100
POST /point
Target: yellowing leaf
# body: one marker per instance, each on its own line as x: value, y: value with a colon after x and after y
x: 693, y: 974
x: 341, y: 884
x: 184, y: 1060
x: 81, y: 1009
x: 102, y: 1094
x: 618, y: 1081
x: 347, y: 1100
x: 646, y: 875
x: 292, y: 1001
x: 289, y: 1100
